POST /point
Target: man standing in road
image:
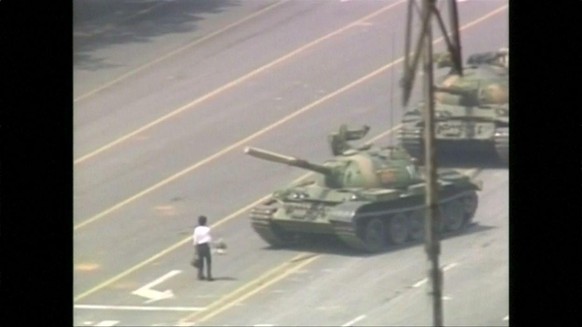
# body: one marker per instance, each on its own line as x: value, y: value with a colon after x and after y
x: 201, y: 241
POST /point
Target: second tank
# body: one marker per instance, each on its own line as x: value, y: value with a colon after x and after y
x: 471, y: 110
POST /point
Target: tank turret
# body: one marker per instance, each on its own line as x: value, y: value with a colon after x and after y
x: 338, y: 141
x: 370, y: 168
x: 483, y: 82
x: 474, y: 89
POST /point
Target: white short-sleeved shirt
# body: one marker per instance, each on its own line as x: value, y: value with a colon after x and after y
x: 201, y: 235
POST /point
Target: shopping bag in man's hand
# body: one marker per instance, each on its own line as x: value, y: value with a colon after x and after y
x: 195, y: 262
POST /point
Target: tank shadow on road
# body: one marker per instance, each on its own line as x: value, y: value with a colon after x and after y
x: 331, y: 245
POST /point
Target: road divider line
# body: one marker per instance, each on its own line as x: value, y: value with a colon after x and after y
x: 449, y: 266
x: 238, y: 144
x: 188, y: 239
x: 424, y: 280
x: 170, y: 54
x: 353, y: 321
x: 234, y: 83
x: 251, y: 288
x: 174, y: 246
x: 420, y: 283
x: 235, y: 214
x: 263, y: 131
x: 107, y: 323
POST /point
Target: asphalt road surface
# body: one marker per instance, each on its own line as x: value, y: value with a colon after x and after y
x: 166, y: 96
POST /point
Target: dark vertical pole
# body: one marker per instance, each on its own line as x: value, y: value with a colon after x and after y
x: 457, y: 54
x: 432, y: 221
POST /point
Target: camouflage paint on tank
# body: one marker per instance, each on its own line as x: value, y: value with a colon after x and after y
x: 357, y: 191
x: 471, y: 111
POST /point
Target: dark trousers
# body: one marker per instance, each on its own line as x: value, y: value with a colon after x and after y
x: 203, y: 251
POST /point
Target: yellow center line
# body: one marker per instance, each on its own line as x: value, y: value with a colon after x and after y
x: 250, y: 289
x: 188, y: 239
x: 218, y: 223
x: 260, y: 132
x: 235, y: 214
x: 218, y: 306
x: 171, y: 248
x: 168, y: 55
x: 275, y: 274
x: 233, y: 146
x: 234, y: 83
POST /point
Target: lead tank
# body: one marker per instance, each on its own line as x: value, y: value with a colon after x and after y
x: 368, y: 197
x: 471, y: 111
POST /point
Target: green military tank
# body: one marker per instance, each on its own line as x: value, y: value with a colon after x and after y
x: 366, y: 196
x: 471, y: 111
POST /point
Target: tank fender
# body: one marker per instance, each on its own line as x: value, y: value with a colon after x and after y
x: 345, y: 212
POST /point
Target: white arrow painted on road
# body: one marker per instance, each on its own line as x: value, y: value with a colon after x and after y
x: 153, y: 295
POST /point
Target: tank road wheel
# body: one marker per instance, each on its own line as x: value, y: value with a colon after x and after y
x: 416, y: 226
x: 453, y: 215
x: 374, y: 235
x: 470, y: 203
x: 398, y: 229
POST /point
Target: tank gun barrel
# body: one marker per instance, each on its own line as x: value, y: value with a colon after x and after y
x: 288, y: 160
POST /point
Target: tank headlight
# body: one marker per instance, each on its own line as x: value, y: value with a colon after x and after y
x: 354, y: 197
x: 294, y: 195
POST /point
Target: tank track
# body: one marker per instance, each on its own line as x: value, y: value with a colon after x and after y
x: 261, y: 223
x: 348, y: 234
x: 502, y: 143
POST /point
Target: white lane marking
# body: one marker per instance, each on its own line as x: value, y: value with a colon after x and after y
x: 445, y: 268
x: 105, y: 323
x: 350, y: 323
x: 449, y: 266
x: 154, y: 295
x: 506, y: 318
x: 135, y: 308
x: 250, y: 75
x: 420, y: 282
x: 172, y: 53
x: 446, y: 298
